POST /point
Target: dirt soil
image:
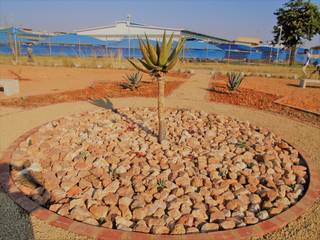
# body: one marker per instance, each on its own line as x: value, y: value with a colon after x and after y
x: 39, y: 80
x: 42, y: 86
x: 260, y: 100
x: 96, y: 91
x: 287, y: 90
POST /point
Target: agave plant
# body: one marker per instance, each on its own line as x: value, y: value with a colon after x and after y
x: 157, y: 61
x: 134, y: 80
x: 234, y: 80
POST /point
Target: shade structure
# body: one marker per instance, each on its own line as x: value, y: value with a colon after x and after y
x: 72, y: 39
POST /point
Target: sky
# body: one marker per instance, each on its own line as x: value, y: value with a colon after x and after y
x: 221, y: 18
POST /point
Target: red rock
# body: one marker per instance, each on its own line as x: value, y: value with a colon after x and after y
x: 299, y: 170
x: 209, y: 227
x: 125, y: 191
x: 80, y: 213
x: 272, y: 195
x: 252, y: 180
x: 233, y: 204
x: 107, y: 224
x: 125, y: 201
x: 192, y: 230
x: 216, y: 215
x: 51, y: 181
x: 267, y: 205
x: 251, y: 220
x: 186, y: 220
x: 141, y: 226
x: 113, y: 212
x: 138, y: 203
x: 122, y: 221
x: 139, y: 188
x: 255, y: 199
x: 106, y: 180
x: 99, y: 211
x: 68, y: 183
x: 174, y: 213
x: 113, y: 187
x: 228, y: 224
x: 75, y: 190
x: 55, y: 207
x: 84, y: 184
x: 182, y: 181
x: 159, y: 213
x: 125, y: 211
x: 185, y: 209
x: 158, y: 229
x: 275, y: 210
x: 178, y: 229
x: 139, y: 213
x: 111, y: 199
x: 64, y: 210
x: 77, y: 203
x: 252, y: 188
x: 199, y: 214
x: 83, y: 165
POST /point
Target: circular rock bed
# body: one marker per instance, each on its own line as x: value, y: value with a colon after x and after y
x: 106, y: 168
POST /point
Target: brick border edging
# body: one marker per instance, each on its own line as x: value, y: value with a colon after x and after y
x: 257, y: 230
x: 278, y: 101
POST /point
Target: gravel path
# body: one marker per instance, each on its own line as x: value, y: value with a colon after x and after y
x: 15, y: 224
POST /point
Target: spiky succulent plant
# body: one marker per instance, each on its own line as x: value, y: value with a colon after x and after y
x: 234, y: 80
x: 134, y: 80
x: 157, y: 61
x: 160, y: 58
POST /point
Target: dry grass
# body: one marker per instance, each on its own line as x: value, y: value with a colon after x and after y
x: 120, y: 63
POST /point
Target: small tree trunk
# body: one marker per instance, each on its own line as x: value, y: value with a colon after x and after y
x: 162, y: 128
x: 292, y: 55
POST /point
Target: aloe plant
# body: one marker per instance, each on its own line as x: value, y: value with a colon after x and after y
x: 134, y: 80
x: 234, y: 80
x: 157, y: 61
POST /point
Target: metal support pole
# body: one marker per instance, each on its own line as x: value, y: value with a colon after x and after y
x: 79, y: 47
x: 279, y: 39
x: 229, y: 53
x: 15, y: 45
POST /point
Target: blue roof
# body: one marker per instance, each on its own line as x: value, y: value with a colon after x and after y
x: 72, y: 39
x: 134, y: 43
x: 124, y: 43
x: 236, y: 47
x: 200, y: 45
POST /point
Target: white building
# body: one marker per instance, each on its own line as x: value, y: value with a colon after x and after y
x: 128, y: 29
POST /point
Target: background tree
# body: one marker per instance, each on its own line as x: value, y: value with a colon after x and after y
x: 300, y: 20
x: 157, y: 61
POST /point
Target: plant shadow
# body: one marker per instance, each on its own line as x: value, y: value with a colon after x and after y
x: 15, y: 222
x: 107, y: 104
x: 216, y: 91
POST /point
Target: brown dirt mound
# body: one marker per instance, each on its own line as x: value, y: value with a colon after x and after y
x: 98, y: 90
x: 259, y: 100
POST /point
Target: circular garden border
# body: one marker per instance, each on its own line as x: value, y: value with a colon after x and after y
x: 257, y: 230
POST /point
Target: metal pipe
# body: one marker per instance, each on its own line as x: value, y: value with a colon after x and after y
x: 279, y: 39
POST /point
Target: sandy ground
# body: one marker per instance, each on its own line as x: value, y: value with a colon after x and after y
x: 15, y: 224
x: 305, y: 98
x: 35, y: 80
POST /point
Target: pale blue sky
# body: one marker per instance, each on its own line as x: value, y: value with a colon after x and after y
x: 222, y: 18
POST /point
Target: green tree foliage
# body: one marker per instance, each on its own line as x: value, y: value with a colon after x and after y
x: 300, y: 20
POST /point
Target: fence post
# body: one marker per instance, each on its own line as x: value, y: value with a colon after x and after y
x: 79, y: 47
x: 229, y: 53
x: 50, y: 46
x: 15, y: 45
